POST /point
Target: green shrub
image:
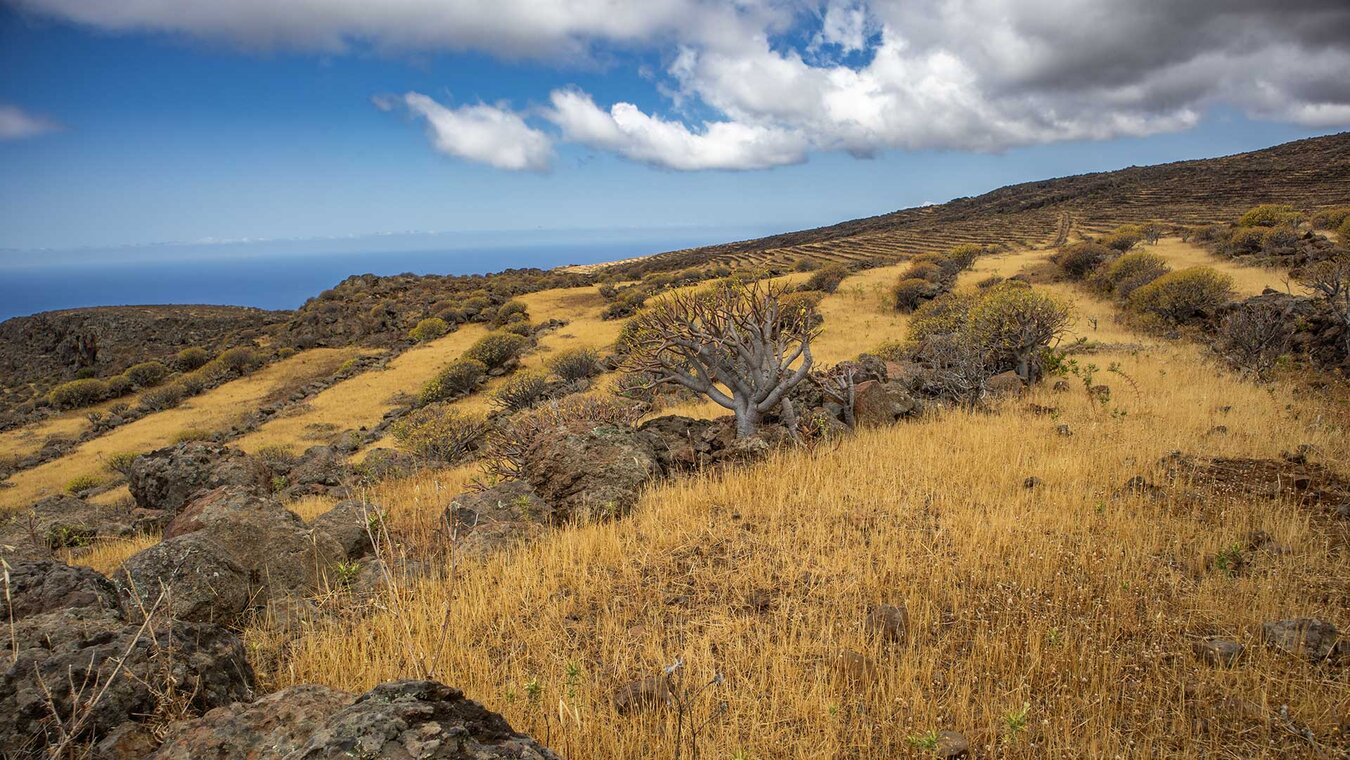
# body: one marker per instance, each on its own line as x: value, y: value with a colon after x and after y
x: 1181, y: 296
x: 626, y: 304
x: 147, y: 374
x: 159, y: 399
x: 430, y: 328
x: 192, y: 383
x: 924, y: 270
x: 911, y: 292
x: 1081, y: 259
x: 78, y: 393
x: 1269, y: 215
x: 1243, y: 240
x: 277, y: 456
x: 85, y: 373
x: 240, y: 360
x: 82, y: 483
x: 1132, y: 270
x: 1330, y: 218
x: 188, y: 435
x: 119, y: 385
x: 1123, y: 238
x: 521, y: 391
x: 440, y: 433
x: 948, y: 314
x: 455, y: 379
x: 1279, y: 238
x: 962, y: 257
x: 214, y: 371
x: 120, y: 462
x: 190, y: 358
x: 575, y: 364
x: 497, y: 349
x: 521, y: 327
x: 805, y: 264
x: 511, y: 311
x: 826, y: 279
x: 475, y: 305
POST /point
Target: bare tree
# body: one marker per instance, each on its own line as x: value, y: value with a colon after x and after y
x: 736, y: 344
x: 1330, y: 280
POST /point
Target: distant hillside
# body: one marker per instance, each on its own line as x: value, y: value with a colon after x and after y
x: 1306, y: 173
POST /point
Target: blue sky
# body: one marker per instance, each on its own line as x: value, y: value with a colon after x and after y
x: 183, y: 127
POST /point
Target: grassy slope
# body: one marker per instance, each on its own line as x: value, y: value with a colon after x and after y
x: 1069, y: 600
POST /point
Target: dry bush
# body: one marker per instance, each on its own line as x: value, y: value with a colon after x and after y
x: 522, y: 391
x: 911, y: 293
x: 509, y: 312
x: 575, y: 364
x: 240, y: 360
x: 456, y: 379
x: 1255, y: 335
x: 1281, y: 237
x: 159, y: 399
x: 826, y: 279
x: 190, y: 358
x: 1082, y: 259
x: 440, y: 433
x: 505, y: 449
x: 1123, y: 238
x: 120, y: 462
x: 1330, y: 218
x: 1245, y: 240
x: 1183, y: 296
x: 1329, y: 280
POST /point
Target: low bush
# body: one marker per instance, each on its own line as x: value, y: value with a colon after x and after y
x: 81, y: 483
x: 1082, y: 259
x: 505, y: 448
x: 911, y: 293
x: 1014, y: 327
x: 1123, y: 238
x: 497, y: 349
x: 1245, y: 240
x: 440, y: 433
x: 1269, y: 215
x: 989, y: 282
x: 120, y: 462
x: 456, y: 379
x: 1182, y: 296
x: 188, y: 435
x: 805, y: 264
x: 626, y: 304
x: 1132, y: 271
x: 1330, y: 218
x: 430, y: 328
x: 147, y: 374
x: 575, y: 364
x: 961, y: 258
x: 924, y: 270
x: 119, y: 385
x: 78, y: 393
x: 521, y: 391
x: 1255, y: 335
x: 192, y: 383
x: 159, y: 399
x: 1279, y: 238
x: 522, y: 327
x: 947, y: 314
x: 511, y: 311
x: 85, y: 373
x: 826, y: 279
x: 240, y: 360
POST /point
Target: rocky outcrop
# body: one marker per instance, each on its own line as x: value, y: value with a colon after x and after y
x: 598, y: 472
x: 1311, y: 639
x: 169, y: 478
x: 60, y: 522
x: 487, y: 520
x: 231, y: 550
x: 71, y: 642
x: 398, y: 720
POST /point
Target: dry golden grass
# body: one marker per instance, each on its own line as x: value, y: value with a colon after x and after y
x: 107, y: 555
x: 361, y: 400
x: 214, y: 409
x: 1069, y: 600
x: 1247, y: 281
x: 859, y: 316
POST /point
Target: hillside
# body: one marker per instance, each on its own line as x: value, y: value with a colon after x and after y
x: 1306, y: 173
x: 1140, y: 550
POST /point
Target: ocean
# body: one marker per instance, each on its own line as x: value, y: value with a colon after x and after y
x: 273, y: 275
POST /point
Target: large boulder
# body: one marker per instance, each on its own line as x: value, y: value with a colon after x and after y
x: 39, y: 587
x: 682, y: 444
x: 60, y: 522
x: 231, y: 549
x: 876, y: 403
x: 595, y: 473
x: 483, y: 521
x: 71, y: 642
x: 169, y: 478
x: 418, y: 719
x: 1309, y: 638
x: 274, y: 726
x: 319, y: 470
x: 348, y: 524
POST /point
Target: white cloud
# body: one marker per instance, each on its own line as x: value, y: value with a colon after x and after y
x: 482, y: 133
x: 626, y: 130
x: 784, y: 78
x: 17, y: 124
